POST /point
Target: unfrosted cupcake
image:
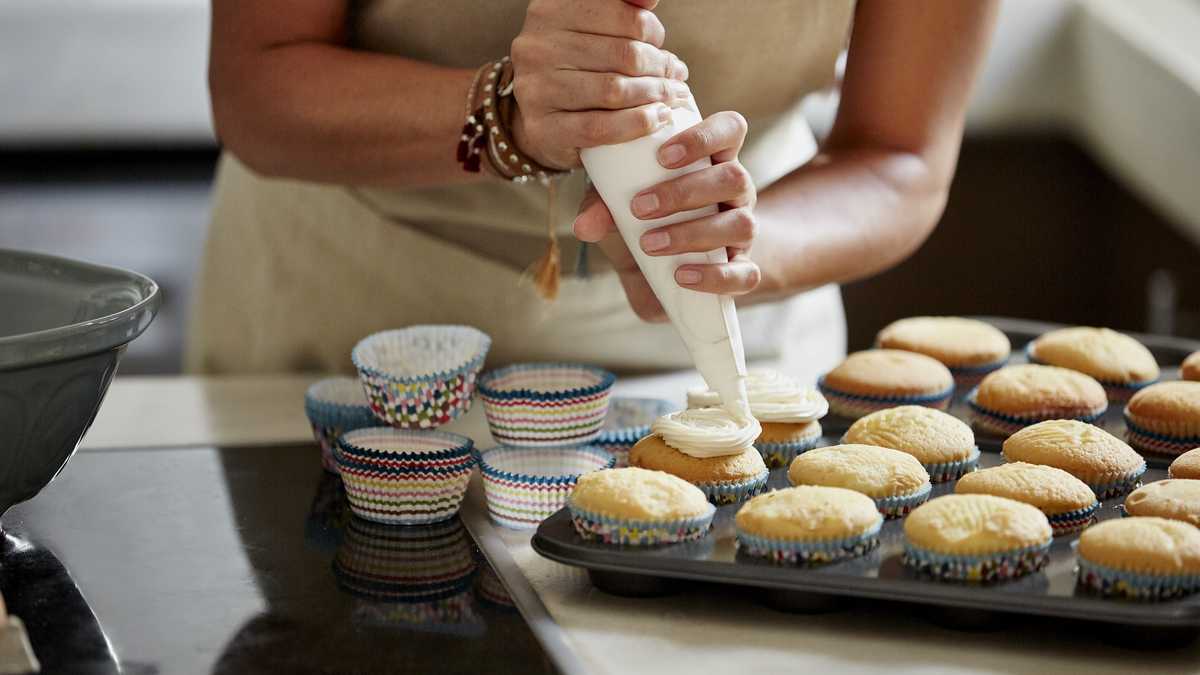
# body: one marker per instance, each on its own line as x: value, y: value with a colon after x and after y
x: 942, y: 443
x: 969, y: 348
x: 808, y: 524
x: 884, y: 378
x: 1118, y: 362
x: 636, y: 507
x: 1174, y: 498
x: 1164, y: 418
x: 708, y: 448
x: 1017, y: 396
x: 1140, y: 558
x: 787, y: 410
x: 976, y: 538
x: 1186, y: 465
x: 1109, y: 466
x: 1069, y: 504
x: 895, y: 480
x: 1190, y: 370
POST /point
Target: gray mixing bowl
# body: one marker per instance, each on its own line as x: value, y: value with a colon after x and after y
x: 63, y: 327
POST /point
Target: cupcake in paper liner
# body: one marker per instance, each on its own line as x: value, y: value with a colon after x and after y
x: 1069, y: 504
x: 334, y: 406
x: 1140, y: 558
x: 943, y: 444
x: 808, y: 525
x: 1121, y: 364
x: 708, y: 448
x: 637, y: 507
x: 968, y: 347
x: 1017, y: 396
x: 976, y: 537
x: 524, y: 486
x: 1186, y: 465
x: 1164, y: 419
x: 883, y: 378
x: 628, y: 421
x: 1104, y: 462
x: 422, y: 376
x: 1174, y: 498
x: 546, y: 404
x: 895, y: 480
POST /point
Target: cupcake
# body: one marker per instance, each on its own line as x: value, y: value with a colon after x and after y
x: 1017, y: 396
x: 1120, y: 363
x: 884, y: 378
x: 976, y: 538
x: 708, y: 448
x: 808, y: 524
x: 787, y: 411
x: 1186, y: 465
x: 969, y: 348
x: 1108, y: 466
x: 895, y: 480
x: 633, y: 506
x: 1190, y: 370
x: 1174, y: 498
x: 942, y: 443
x: 1140, y: 558
x: 1164, y: 418
x: 1069, y: 504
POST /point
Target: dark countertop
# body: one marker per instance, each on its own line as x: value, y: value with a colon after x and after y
x: 233, y: 560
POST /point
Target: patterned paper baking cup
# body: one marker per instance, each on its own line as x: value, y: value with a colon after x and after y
x: 899, y: 506
x: 778, y: 455
x: 999, y: 566
x: 1114, y: 583
x: 410, y: 499
x: 405, y: 564
x: 334, y: 406
x: 1070, y: 522
x: 1002, y: 424
x: 546, y: 404
x: 593, y: 526
x: 421, y: 376
x: 859, y: 405
x: 942, y: 472
x: 734, y: 491
x: 524, y: 486
x: 1157, y: 443
x: 794, y: 552
x: 1117, y: 392
x: 1122, y: 486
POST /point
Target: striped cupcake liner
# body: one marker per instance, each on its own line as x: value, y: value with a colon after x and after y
x: 1117, y: 392
x: 1113, y: 583
x: 778, y: 455
x: 942, y: 472
x: 524, y: 486
x: 1122, y: 486
x: 334, y: 406
x: 421, y: 376
x: 1000, y: 566
x: 1070, y: 522
x: 1002, y: 424
x: 618, y: 449
x: 792, y: 552
x: 734, y: 492
x: 1155, y: 442
x: 899, y: 506
x: 410, y: 500
x: 404, y: 564
x: 593, y: 526
x: 860, y: 405
x: 546, y: 404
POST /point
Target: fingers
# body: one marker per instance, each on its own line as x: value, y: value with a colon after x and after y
x: 641, y: 298
x: 614, y: 18
x: 576, y: 90
x: 594, y: 221
x: 735, y: 228
x: 601, y: 54
x: 593, y: 128
x: 726, y: 183
x: 737, y: 277
x: 719, y: 136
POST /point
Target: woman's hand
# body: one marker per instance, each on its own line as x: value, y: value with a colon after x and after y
x: 726, y: 184
x: 591, y: 72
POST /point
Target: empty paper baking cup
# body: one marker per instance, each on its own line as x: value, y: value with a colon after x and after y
x: 421, y: 376
x: 546, y: 404
x: 524, y: 486
x: 629, y: 421
x: 404, y: 477
x: 334, y: 406
x: 416, y: 564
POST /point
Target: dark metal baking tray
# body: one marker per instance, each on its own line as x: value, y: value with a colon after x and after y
x: 880, y: 574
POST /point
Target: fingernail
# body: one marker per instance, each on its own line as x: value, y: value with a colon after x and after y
x: 671, y: 155
x: 681, y: 91
x: 687, y: 277
x: 680, y: 69
x: 645, y: 204
x: 664, y: 115
x: 655, y: 241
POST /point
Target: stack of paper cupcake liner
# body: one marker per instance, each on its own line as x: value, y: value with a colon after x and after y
x: 788, y: 551
x: 593, y: 526
x: 404, y: 477
x: 546, y: 404
x: 334, y: 406
x: 423, y: 376
x: 524, y: 486
x: 1109, y: 582
x: 999, y: 566
x: 628, y: 422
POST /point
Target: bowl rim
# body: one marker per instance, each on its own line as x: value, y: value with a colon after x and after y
x: 44, y: 346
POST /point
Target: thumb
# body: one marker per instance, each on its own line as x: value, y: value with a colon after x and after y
x: 594, y: 221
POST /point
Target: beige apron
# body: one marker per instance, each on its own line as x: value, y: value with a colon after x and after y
x: 295, y: 273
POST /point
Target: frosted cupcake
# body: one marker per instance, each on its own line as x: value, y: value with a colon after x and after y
x: 943, y: 444
x: 708, y: 448
x: 1175, y: 498
x: 1118, y: 362
x: 808, y: 524
x: 976, y: 538
x: 895, y: 480
x: 1069, y: 504
x: 786, y: 409
x: 1164, y: 418
x: 969, y: 348
x: 1015, y: 397
x: 1108, y: 465
x: 636, y: 507
x: 1140, y: 558
x: 884, y: 378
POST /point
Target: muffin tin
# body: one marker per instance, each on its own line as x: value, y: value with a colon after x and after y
x: 880, y: 574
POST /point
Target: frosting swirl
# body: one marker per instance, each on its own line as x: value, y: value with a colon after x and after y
x: 774, y: 397
x: 706, y: 432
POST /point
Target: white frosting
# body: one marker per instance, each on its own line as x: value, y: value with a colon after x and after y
x: 706, y: 432
x: 774, y: 397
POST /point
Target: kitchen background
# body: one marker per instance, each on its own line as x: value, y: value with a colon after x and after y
x: 1077, y: 197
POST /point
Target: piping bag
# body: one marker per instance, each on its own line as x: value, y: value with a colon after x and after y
x: 708, y: 323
